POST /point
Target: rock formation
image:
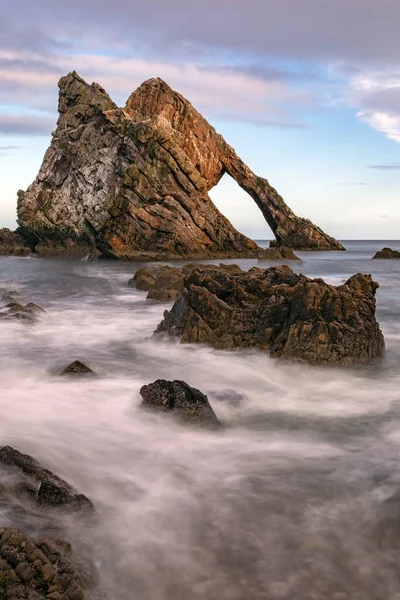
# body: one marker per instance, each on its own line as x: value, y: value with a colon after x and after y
x: 178, y: 398
x: 36, y: 570
x: 14, y: 311
x: 77, y: 368
x: 277, y: 310
x: 134, y: 181
x: 12, y: 244
x: 387, y: 253
x: 46, y: 489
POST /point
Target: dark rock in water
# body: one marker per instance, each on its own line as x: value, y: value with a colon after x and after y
x: 387, y: 253
x: 12, y: 244
x: 277, y: 310
x: 35, y: 570
x: 168, y: 284
x: 51, y: 491
x: 134, y: 181
x: 181, y: 400
x: 15, y: 311
x: 77, y: 368
x: 143, y: 280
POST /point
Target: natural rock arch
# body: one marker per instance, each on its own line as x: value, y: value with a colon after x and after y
x: 134, y: 181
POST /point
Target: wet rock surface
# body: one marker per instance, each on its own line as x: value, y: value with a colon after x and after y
x: 41, y: 485
x: 179, y: 399
x: 12, y: 244
x: 134, y: 182
x: 280, y: 253
x: 35, y: 570
x: 289, y: 315
x: 387, y: 253
x: 11, y: 309
x: 77, y: 368
x: 68, y: 249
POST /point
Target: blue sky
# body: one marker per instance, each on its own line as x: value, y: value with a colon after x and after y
x: 306, y: 91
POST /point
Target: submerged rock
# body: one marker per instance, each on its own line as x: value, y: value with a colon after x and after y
x: 181, y: 400
x: 12, y: 244
x: 13, y: 310
x: 42, y: 486
x: 134, y: 181
x: 275, y: 309
x: 77, y: 368
x: 387, y: 253
x: 36, y: 570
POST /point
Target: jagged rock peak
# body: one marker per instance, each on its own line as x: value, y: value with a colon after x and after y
x: 134, y: 181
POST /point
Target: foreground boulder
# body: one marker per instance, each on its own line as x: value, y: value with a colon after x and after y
x: 134, y: 181
x: 43, y: 487
x: 77, y: 368
x: 12, y: 244
x: 36, y: 570
x: 387, y: 253
x: 277, y: 310
x: 178, y: 398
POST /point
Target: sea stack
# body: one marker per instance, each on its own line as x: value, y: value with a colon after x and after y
x: 133, y: 182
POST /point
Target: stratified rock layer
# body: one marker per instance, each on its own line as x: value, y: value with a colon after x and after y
x: 134, y: 182
x: 275, y: 309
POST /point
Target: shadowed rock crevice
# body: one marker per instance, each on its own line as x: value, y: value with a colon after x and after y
x: 134, y: 182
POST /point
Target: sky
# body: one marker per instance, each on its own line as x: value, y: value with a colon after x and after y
x: 306, y: 91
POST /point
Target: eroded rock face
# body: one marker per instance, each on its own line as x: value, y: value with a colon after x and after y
x: 277, y: 310
x: 12, y: 244
x: 387, y: 253
x: 134, y: 181
x: 179, y: 399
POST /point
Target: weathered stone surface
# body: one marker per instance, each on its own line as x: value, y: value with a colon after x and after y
x: 387, y: 253
x: 77, y: 368
x: 13, y: 310
x: 36, y: 570
x: 143, y: 280
x: 280, y: 253
x: 47, y: 489
x: 134, y: 181
x: 181, y: 400
x: 289, y: 315
x: 12, y: 244
x: 67, y: 249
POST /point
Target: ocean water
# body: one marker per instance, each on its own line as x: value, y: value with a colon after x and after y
x: 293, y: 500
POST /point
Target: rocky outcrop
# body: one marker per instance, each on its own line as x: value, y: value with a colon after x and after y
x: 12, y: 244
x: 387, y: 253
x: 44, y: 488
x: 289, y: 315
x: 279, y: 253
x: 77, y: 368
x: 182, y: 401
x: 134, y: 181
x: 36, y: 570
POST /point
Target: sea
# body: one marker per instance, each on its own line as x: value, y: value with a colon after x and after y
x: 297, y: 498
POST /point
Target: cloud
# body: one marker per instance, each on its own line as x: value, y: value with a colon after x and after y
x: 221, y: 92
x: 25, y: 125
x: 388, y: 167
x: 353, y: 183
